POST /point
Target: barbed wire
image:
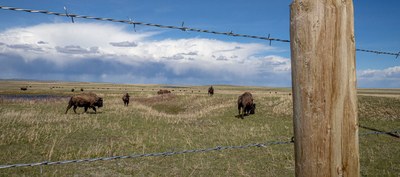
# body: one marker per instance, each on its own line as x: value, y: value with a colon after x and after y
x: 182, y: 27
x: 379, y: 52
x: 218, y: 148
x: 391, y: 133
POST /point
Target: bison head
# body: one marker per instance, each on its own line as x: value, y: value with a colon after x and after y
x: 99, y: 102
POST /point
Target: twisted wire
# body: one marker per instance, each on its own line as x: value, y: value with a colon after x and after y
x: 182, y: 28
x: 218, y: 148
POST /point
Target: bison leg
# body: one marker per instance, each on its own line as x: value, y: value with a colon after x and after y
x: 253, y: 109
x: 86, y: 108
x: 246, y: 111
x: 239, y: 109
x: 243, y: 112
x: 75, y: 106
x: 127, y: 103
x: 68, y: 107
x: 94, y: 108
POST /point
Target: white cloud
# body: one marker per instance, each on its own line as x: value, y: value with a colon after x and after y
x: 388, y: 73
x: 388, y: 77
x: 67, y: 44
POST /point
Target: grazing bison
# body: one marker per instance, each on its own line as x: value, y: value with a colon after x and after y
x: 24, y: 88
x: 81, y: 89
x: 246, y: 104
x: 72, y: 90
x: 86, y: 100
x: 125, y: 98
x: 160, y: 92
x: 211, y: 91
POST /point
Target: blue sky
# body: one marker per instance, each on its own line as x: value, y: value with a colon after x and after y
x: 44, y: 47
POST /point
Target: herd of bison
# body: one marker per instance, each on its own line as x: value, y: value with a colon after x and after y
x: 88, y: 100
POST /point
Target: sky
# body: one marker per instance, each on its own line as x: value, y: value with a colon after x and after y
x: 47, y: 47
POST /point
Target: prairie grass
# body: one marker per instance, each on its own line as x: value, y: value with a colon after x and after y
x: 36, y: 130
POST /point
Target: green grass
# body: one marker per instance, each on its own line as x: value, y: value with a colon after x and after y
x: 38, y: 130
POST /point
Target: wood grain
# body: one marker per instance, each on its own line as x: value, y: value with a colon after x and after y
x: 324, y: 88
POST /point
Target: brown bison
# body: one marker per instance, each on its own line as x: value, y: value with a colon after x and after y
x: 125, y: 98
x: 24, y: 88
x: 160, y: 92
x: 211, y: 91
x: 246, y: 104
x: 86, y: 100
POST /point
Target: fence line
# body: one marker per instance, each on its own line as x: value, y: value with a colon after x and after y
x: 218, y: 148
x: 182, y: 28
x: 379, y: 52
x: 392, y: 133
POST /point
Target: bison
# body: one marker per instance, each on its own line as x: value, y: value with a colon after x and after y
x: 211, y: 91
x: 160, y: 92
x: 24, y: 88
x: 125, y: 98
x: 86, y: 100
x: 246, y: 104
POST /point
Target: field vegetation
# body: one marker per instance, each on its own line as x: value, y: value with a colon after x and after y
x: 34, y: 128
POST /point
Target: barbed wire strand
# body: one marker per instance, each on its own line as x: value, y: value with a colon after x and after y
x: 218, y: 148
x: 182, y: 27
x: 379, y: 52
x: 390, y: 133
x: 396, y: 134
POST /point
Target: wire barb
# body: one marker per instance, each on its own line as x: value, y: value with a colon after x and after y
x: 134, y: 24
x: 182, y: 27
x: 66, y: 14
x: 270, y: 41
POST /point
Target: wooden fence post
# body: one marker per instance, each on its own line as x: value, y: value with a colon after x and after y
x: 324, y: 88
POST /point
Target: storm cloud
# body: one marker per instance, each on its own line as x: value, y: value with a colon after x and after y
x: 73, y: 49
x: 107, y: 53
x: 25, y: 47
x: 123, y: 44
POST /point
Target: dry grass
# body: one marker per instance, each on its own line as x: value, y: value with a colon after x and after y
x: 38, y: 130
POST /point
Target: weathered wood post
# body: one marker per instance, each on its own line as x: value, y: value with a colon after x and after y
x: 324, y: 88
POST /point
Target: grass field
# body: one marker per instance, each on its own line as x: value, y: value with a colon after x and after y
x: 34, y: 128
